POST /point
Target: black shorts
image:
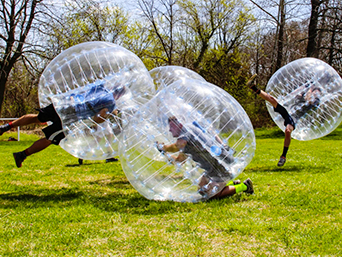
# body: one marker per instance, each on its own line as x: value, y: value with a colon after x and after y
x: 53, y: 132
x: 290, y: 121
x: 286, y: 116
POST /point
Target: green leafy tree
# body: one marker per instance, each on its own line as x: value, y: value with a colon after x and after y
x: 205, y: 18
x: 162, y: 16
x: 89, y: 20
x: 21, y: 96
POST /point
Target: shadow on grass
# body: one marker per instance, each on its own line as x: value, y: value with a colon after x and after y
x: 115, y: 202
x: 137, y: 204
x: 55, y: 197
x: 276, y: 169
x: 85, y: 164
x: 311, y: 169
x: 119, y: 202
x: 89, y: 163
x: 109, y: 182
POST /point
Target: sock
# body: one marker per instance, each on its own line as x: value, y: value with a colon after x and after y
x: 285, y: 151
x: 26, y: 153
x: 240, y: 187
x: 6, y: 127
x: 230, y: 183
x: 255, y: 89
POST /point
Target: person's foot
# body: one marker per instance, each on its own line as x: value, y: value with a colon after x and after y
x: 282, y: 161
x: 4, y: 128
x: 248, y: 182
x: 251, y: 80
x: 80, y: 161
x: 112, y: 160
x: 19, y: 158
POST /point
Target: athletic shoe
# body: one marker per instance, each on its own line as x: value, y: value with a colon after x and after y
x: 4, y: 128
x: 80, y: 161
x: 282, y: 161
x: 250, y: 82
x: 112, y: 160
x: 248, y: 182
x: 19, y: 158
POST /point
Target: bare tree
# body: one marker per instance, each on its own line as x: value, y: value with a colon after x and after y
x: 330, y: 33
x: 281, y: 13
x: 16, y: 19
x: 325, y: 32
x: 162, y: 16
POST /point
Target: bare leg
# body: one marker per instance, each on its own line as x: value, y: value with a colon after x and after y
x: 225, y: 192
x: 288, y: 130
x: 101, y: 116
x: 38, y: 146
x: 206, y: 186
x: 268, y: 98
x: 26, y: 120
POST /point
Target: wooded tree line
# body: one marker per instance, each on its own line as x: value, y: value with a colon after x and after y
x: 224, y: 41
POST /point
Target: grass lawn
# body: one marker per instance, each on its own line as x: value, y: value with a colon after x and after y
x: 54, y: 207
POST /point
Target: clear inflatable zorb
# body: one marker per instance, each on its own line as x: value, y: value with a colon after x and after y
x: 186, y: 143
x: 311, y: 91
x: 166, y: 75
x: 95, y: 88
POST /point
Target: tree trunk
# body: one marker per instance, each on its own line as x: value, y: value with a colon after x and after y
x: 280, y: 35
x: 311, y: 50
x: 17, y: 17
x: 4, y: 74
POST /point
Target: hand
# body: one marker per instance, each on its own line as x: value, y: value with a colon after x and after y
x: 160, y: 147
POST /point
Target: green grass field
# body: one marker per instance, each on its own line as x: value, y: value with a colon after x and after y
x: 54, y: 207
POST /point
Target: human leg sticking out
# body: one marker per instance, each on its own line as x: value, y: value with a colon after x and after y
x: 53, y: 133
x: 288, y: 121
x: 234, y: 187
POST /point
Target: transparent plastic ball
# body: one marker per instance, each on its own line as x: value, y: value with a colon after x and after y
x: 95, y: 87
x: 166, y: 75
x: 219, y: 138
x: 311, y: 92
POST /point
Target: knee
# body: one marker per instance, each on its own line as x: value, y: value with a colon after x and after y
x: 272, y: 100
x: 104, y: 112
x: 288, y: 130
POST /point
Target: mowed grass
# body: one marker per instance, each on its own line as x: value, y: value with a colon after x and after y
x: 54, y: 207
